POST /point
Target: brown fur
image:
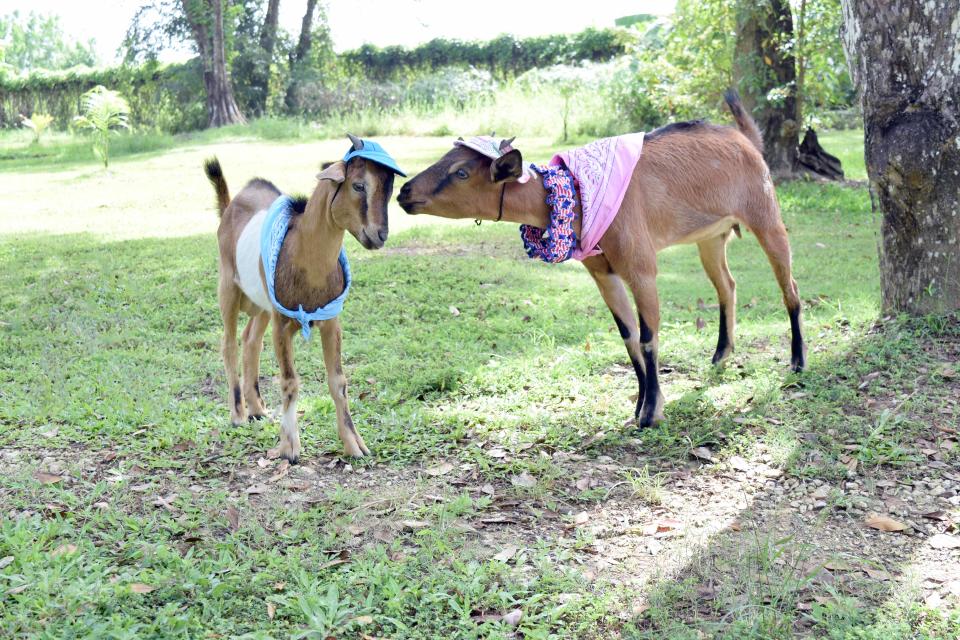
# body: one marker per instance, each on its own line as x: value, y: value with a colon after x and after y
x: 693, y: 183
x: 308, y: 273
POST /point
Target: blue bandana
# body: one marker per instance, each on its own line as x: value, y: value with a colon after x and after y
x: 271, y: 239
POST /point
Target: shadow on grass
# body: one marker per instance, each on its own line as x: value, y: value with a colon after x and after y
x: 788, y: 565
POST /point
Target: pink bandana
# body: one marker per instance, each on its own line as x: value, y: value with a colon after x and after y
x: 603, y: 170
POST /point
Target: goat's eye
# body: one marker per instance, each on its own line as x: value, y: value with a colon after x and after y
x: 462, y: 174
x: 359, y: 187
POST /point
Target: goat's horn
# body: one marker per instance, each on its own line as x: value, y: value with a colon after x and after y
x: 493, y: 134
x: 357, y: 142
x: 506, y: 143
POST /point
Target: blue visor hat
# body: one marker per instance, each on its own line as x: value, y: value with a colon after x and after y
x: 374, y: 153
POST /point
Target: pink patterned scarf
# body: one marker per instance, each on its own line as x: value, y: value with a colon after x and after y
x: 602, y: 171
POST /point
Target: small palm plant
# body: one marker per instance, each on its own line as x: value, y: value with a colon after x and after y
x: 103, y: 111
x: 37, y: 123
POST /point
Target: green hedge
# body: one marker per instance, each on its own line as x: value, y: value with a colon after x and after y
x: 504, y: 56
x: 164, y: 97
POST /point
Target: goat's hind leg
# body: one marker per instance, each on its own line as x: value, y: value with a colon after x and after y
x: 331, y: 336
x: 252, y: 347
x: 284, y: 330
x: 229, y: 298
x: 713, y: 256
x: 773, y: 239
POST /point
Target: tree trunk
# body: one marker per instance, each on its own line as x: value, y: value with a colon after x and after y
x: 812, y: 157
x: 904, y: 57
x: 763, y: 63
x: 268, y: 41
x: 201, y: 15
x: 300, y: 53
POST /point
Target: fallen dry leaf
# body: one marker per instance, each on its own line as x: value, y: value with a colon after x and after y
x: 701, y: 324
x: 703, y: 453
x: 279, y: 586
x: 6, y: 561
x: 256, y: 489
x: 439, y: 470
x: 581, y: 518
x: 363, y: 620
x: 876, y: 574
x: 233, y: 518
x: 513, y: 618
x: 63, y: 550
x: 508, y: 552
x: 16, y: 590
x: 139, y: 587
x: 184, y: 445
x: 47, y: 478
x: 883, y: 523
x: 414, y: 525
x: 524, y: 480
x: 271, y: 610
x: 945, y: 541
x: 108, y: 456
x: 488, y: 489
x: 263, y: 463
x: 454, y: 311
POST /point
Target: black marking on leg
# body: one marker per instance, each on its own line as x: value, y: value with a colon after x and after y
x: 236, y: 397
x: 349, y: 422
x: 256, y: 388
x: 723, y: 341
x: 641, y: 383
x: 291, y: 459
x: 796, y: 343
x: 624, y: 330
x: 255, y: 417
x: 652, y: 388
x: 343, y: 390
x: 289, y: 398
x: 645, y: 334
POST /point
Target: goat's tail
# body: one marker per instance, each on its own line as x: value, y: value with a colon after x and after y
x: 745, y: 123
x: 215, y: 174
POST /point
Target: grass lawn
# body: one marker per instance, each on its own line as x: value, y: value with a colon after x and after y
x: 506, y: 497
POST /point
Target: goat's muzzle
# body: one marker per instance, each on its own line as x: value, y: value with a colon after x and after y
x: 405, y: 201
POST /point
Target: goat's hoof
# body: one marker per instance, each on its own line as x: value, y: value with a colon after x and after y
x: 285, y: 451
x: 238, y: 421
x: 720, y: 357
x: 254, y: 417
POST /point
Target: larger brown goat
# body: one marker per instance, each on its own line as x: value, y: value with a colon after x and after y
x: 308, y: 274
x: 694, y: 183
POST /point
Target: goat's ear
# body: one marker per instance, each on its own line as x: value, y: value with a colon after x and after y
x: 507, y: 167
x: 336, y: 171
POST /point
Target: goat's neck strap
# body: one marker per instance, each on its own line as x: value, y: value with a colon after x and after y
x: 503, y: 189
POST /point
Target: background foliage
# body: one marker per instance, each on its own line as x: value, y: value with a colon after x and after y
x: 596, y: 82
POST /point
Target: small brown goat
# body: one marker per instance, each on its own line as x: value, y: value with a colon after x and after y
x: 694, y: 183
x: 307, y: 273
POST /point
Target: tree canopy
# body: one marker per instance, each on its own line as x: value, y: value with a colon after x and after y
x: 34, y: 41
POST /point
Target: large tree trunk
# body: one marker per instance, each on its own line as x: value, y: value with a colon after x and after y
x: 905, y: 59
x: 268, y: 41
x: 763, y: 62
x: 300, y: 53
x: 205, y: 18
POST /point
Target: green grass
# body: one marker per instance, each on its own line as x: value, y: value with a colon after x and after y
x: 109, y: 343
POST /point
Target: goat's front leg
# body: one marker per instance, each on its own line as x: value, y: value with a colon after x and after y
x: 614, y: 294
x: 284, y: 331
x: 331, y: 336
x: 643, y: 283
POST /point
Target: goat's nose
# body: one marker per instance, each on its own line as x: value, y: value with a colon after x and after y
x: 382, y: 234
x: 405, y: 190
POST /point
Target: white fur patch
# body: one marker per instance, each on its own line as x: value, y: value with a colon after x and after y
x: 248, y: 262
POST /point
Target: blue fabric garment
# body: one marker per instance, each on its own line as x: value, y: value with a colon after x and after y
x: 375, y: 153
x: 271, y: 239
